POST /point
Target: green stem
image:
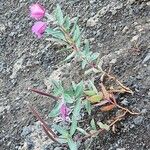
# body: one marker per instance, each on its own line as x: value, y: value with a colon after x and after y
x: 92, y: 65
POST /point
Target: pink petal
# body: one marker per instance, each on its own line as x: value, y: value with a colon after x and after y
x: 37, y: 11
x: 39, y: 28
x: 64, y: 111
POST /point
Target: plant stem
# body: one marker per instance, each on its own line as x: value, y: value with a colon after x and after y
x: 130, y: 112
x: 75, y: 48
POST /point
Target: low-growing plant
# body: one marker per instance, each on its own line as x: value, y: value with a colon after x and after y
x: 79, y: 99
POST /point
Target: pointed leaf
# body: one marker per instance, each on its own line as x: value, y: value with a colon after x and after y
x: 86, y: 47
x: 61, y: 130
x: 94, y: 56
x: 73, y: 126
x: 59, y: 15
x: 55, y: 111
x: 79, y: 89
x: 57, y: 87
x: 88, y: 107
x: 84, y: 63
x: 91, y: 84
x: 76, y: 33
x: 68, y: 99
x: 72, y: 144
x: 77, y: 108
x: 78, y: 41
x: 74, y: 85
x: 74, y: 26
x: 67, y: 23
x: 55, y: 33
x: 93, y: 124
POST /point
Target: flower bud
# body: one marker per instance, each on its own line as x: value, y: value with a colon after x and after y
x: 39, y: 28
x: 37, y: 11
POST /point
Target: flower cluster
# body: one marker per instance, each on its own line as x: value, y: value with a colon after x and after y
x: 37, y: 12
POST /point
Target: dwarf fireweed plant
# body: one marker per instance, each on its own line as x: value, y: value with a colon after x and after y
x: 80, y: 98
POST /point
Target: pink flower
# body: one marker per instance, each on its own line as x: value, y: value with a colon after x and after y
x: 37, y: 11
x: 39, y: 28
x: 64, y: 112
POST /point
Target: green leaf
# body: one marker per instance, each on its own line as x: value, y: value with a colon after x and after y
x: 86, y: 47
x: 57, y: 87
x: 74, y: 26
x: 69, y: 91
x: 93, y: 86
x: 82, y: 131
x: 72, y: 145
x: 90, y: 92
x: 78, y: 41
x: 94, y: 56
x: 70, y: 56
x: 79, y: 89
x: 84, y: 63
x: 62, y: 140
x: 77, y: 108
x: 55, y: 33
x: 68, y: 99
x: 55, y: 111
x: 103, y: 126
x: 93, y: 125
x: 59, y: 15
x: 61, y: 130
x: 76, y: 34
x: 67, y: 23
x: 73, y: 126
x: 88, y: 107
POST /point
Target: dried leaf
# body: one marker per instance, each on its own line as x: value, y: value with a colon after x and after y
x: 105, y: 92
x: 107, y: 108
x: 114, y: 128
x: 103, y: 102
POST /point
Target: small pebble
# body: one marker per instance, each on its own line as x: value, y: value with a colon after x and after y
x: 91, y: 22
x: 146, y: 59
x: 138, y: 120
